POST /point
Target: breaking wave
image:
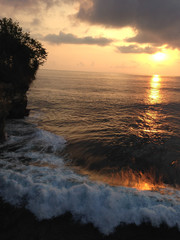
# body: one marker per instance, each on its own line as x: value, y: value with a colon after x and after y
x: 34, y: 175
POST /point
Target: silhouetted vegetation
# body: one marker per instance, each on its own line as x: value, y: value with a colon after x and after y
x: 20, y: 58
x: 20, y: 55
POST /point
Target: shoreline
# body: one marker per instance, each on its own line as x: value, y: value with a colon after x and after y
x: 18, y: 223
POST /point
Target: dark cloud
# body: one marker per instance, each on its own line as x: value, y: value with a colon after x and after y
x: 136, y: 49
x: 26, y: 3
x: 35, y: 4
x: 156, y: 21
x: 72, y: 39
x: 36, y: 22
x: 116, y: 13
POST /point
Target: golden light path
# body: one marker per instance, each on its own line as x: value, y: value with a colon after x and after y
x: 149, y: 126
x: 151, y: 118
x: 128, y: 178
x: 154, y: 96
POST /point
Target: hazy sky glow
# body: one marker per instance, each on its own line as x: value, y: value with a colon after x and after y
x: 128, y: 36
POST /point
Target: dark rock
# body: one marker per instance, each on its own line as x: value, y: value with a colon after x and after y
x: 2, y: 128
x: 3, y: 114
x: 13, y: 104
x: 18, y: 106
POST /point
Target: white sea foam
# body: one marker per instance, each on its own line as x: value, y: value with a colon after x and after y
x: 35, y: 176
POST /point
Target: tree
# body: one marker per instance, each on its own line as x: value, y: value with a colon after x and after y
x: 20, y: 58
x: 20, y: 55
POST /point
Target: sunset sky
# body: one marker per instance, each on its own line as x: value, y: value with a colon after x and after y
x: 127, y: 36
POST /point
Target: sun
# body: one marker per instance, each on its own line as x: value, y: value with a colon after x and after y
x: 159, y: 56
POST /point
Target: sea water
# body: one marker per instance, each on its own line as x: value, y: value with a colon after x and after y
x: 104, y: 146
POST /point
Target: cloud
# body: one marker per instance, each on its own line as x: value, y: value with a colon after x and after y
x: 156, y: 21
x: 72, y: 39
x: 136, y: 49
x: 28, y: 5
x: 36, y: 22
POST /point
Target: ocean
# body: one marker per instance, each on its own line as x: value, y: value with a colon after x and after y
x: 103, y: 146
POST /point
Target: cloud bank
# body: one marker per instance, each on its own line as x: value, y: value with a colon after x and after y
x: 31, y: 3
x: 157, y: 21
x: 136, y: 49
x: 35, y: 5
x: 69, y: 38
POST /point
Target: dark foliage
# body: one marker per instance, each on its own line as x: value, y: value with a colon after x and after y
x: 20, y: 55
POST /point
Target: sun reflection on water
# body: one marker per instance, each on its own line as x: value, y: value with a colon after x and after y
x: 128, y: 178
x: 148, y: 126
x: 150, y: 120
x: 155, y: 84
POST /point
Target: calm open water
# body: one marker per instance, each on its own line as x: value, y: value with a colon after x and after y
x: 113, y: 122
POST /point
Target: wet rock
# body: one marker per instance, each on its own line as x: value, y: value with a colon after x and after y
x: 13, y: 104
x: 2, y: 128
x: 18, y: 106
x: 3, y: 115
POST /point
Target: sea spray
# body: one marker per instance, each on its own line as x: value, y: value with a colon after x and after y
x: 28, y: 179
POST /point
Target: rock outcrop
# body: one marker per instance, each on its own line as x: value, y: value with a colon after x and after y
x: 2, y: 127
x: 20, y: 58
x: 13, y: 104
x: 18, y: 106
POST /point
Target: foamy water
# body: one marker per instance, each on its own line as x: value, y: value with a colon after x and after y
x: 34, y: 174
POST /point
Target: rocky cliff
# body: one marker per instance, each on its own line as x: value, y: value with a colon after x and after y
x: 13, y: 104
